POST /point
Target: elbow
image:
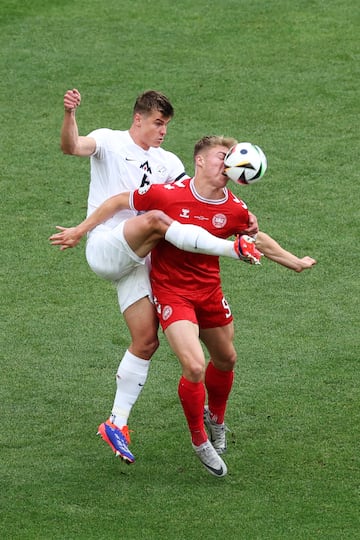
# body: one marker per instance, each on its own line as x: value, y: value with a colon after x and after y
x: 67, y: 150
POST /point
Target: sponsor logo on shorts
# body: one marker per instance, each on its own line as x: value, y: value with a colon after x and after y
x: 219, y: 221
x: 167, y: 312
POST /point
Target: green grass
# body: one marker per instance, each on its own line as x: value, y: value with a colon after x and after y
x: 281, y: 74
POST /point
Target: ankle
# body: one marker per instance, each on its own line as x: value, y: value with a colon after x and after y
x: 198, y: 437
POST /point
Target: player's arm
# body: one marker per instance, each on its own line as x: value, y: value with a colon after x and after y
x: 272, y: 250
x: 71, y: 142
x: 69, y: 237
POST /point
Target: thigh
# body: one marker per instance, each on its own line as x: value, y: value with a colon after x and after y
x: 219, y: 343
x: 109, y: 255
x: 183, y: 338
x: 133, y: 286
x: 143, y: 232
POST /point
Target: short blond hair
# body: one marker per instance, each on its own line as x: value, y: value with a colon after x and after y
x: 209, y: 141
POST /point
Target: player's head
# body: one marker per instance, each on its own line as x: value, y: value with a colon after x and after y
x: 210, y: 141
x: 151, y: 101
x: 209, y: 155
x: 152, y: 113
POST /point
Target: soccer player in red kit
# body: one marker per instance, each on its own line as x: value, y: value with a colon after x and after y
x: 188, y: 295
x: 186, y: 286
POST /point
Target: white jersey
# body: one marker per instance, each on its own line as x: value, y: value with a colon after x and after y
x: 118, y: 164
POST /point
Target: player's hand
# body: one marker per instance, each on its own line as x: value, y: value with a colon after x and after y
x: 253, y: 227
x: 72, y: 100
x: 246, y: 249
x: 305, y: 263
x: 67, y: 238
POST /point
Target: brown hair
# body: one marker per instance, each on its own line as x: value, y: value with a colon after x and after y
x: 151, y: 101
x: 209, y: 141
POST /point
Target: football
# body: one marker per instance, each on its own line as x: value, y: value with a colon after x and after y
x: 245, y: 163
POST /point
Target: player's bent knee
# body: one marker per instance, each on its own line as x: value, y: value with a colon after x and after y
x: 231, y: 361
x: 144, y: 348
x: 158, y: 221
x: 225, y: 362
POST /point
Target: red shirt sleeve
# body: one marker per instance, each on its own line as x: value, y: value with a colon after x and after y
x: 148, y: 197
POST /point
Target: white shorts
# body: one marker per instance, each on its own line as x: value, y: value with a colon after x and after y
x: 110, y: 257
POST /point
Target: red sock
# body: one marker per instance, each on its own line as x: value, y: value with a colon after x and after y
x: 192, y: 397
x: 218, y: 385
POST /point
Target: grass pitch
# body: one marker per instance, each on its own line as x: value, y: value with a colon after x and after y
x: 281, y: 74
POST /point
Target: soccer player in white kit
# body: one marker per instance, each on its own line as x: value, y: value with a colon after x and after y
x: 123, y: 161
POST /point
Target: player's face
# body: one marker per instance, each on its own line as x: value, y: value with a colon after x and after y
x: 214, y: 164
x: 152, y: 129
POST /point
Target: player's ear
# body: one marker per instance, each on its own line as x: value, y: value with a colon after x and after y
x: 199, y: 160
x: 137, y: 119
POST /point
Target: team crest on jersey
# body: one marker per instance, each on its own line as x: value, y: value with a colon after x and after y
x: 143, y: 189
x: 219, y: 221
x: 167, y: 312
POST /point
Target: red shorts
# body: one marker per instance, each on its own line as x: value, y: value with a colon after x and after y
x: 207, y: 310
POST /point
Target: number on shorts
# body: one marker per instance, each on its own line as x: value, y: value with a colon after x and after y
x: 226, y: 308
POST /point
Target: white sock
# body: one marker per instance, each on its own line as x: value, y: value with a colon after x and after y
x: 130, y: 379
x: 197, y: 240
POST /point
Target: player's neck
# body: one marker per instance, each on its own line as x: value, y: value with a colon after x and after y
x: 137, y: 140
x: 207, y: 190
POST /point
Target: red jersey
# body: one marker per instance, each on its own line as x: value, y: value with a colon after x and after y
x: 180, y: 270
